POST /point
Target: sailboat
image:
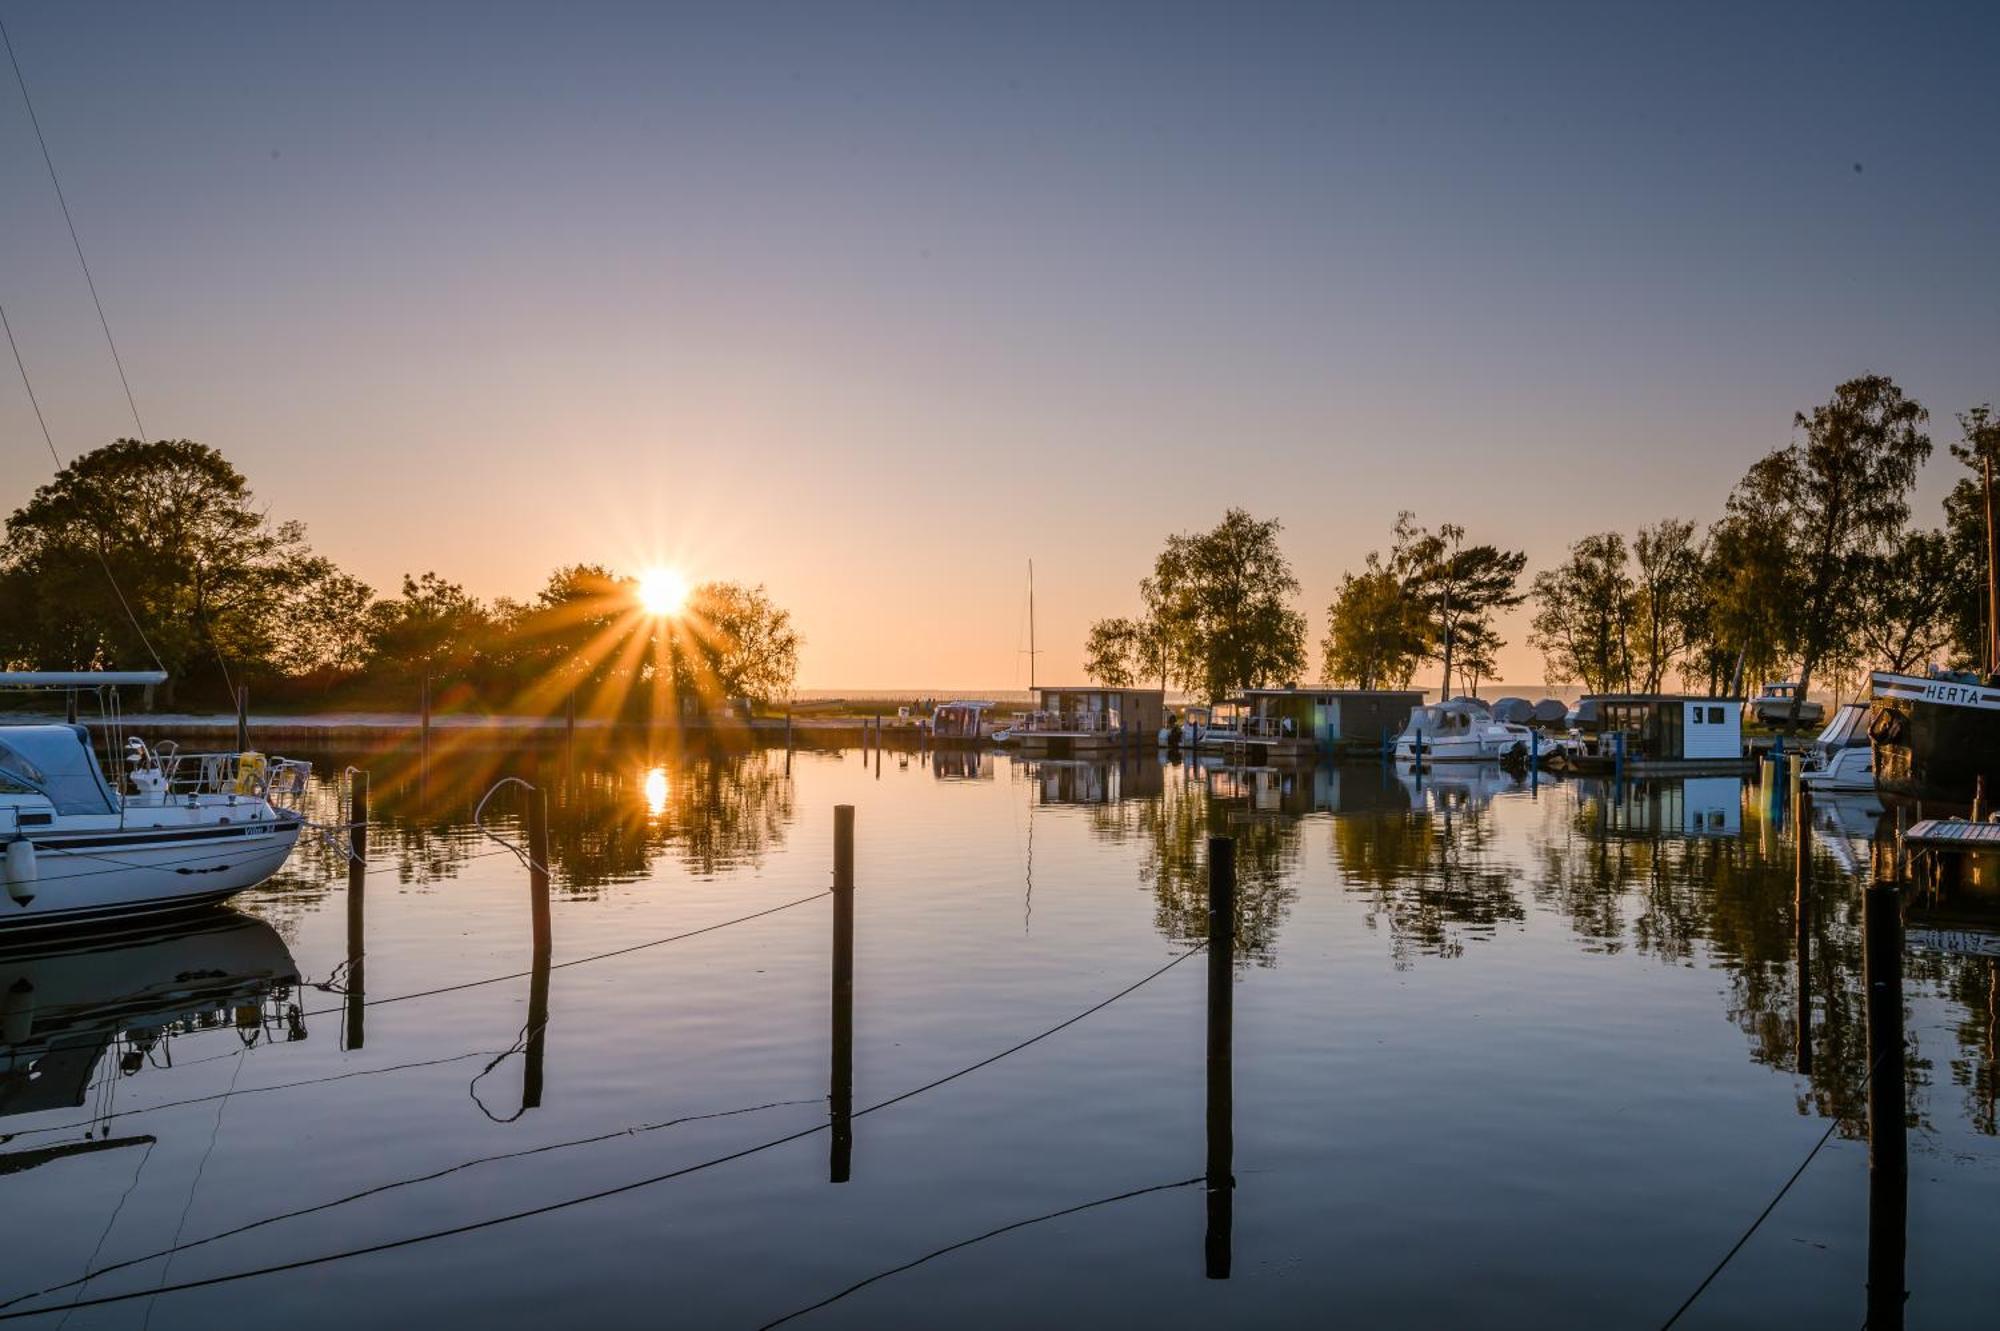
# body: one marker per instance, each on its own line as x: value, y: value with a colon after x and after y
x: 1007, y: 734
x: 1937, y: 735
x: 170, y: 832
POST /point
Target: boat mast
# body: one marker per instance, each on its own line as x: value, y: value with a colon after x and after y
x: 1031, y: 586
x: 1992, y: 572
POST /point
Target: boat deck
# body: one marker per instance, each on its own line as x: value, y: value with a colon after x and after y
x: 1961, y: 834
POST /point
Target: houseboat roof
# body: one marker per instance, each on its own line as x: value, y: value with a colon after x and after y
x: 1330, y: 693
x: 1095, y: 688
x: 1659, y: 697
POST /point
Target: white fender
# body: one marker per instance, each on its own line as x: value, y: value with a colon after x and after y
x: 21, y: 871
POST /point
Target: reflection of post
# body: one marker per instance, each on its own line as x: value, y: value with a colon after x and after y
x: 1802, y: 930
x: 538, y: 1025
x: 1221, y: 1053
x: 840, y: 1089
x: 1888, y: 1159
x: 357, y: 896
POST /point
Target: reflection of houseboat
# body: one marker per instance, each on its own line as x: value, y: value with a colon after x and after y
x: 1059, y: 781
x: 1937, y: 738
x: 1841, y: 758
x: 1665, y: 733
x: 961, y: 764
x: 1295, y: 723
x: 961, y: 722
x: 1461, y: 730
x: 61, y: 1006
x: 1090, y: 719
x: 1709, y: 806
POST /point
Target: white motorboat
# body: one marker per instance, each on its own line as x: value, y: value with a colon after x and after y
x: 1196, y: 725
x: 1773, y: 706
x: 186, y: 830
x: 1841, y: 758
x: 963, y: 720
x: 1461, y: 730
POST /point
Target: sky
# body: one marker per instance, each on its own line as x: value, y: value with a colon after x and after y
x: 873, y: 304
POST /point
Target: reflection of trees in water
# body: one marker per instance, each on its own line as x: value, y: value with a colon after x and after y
x: 1975, y: 983
x: 713, y: 813
x: 1171, y: 825
x: 1724, y: 902
x: 607, y: 822
x: 1429, y: 875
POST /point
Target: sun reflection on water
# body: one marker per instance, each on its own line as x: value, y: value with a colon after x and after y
x: 656, y: 791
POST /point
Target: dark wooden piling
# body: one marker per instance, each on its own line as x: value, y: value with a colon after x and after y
x: 1802, y: 904
x: 1888, y: 1152
x: 1221, y: 1055
x: 538, y: 1027
x: 242, y: 718
x: 357, y: 903
x: 538, y: 868
x: 840, y: 1088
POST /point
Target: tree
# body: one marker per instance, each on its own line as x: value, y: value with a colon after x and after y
x: 1374, y: 630
x: 1837, y: 496
x: 1586, y: 608
x: 1751, y: 612
x: 1965, y: 527
x: 733, y: 641
x: 433, y: 628
x: 1112, y: 655
x: 1670, y: 605
x: 1458, y: 586
x: 171, y: 528
x: 1223, y: 611
x: 1906, y: 615
x: 322, y: 622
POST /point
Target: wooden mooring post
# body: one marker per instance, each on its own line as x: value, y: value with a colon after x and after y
x: 1888, y: 1147
x: 538, y: 976
x: 1221, y: 1181
x: 357, y: 905
x: 840, y: 1087
x: 1802, y: 913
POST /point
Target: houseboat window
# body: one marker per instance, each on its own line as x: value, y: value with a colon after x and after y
x: 1715, y: 715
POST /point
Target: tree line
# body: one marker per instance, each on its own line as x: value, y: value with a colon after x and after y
x: 143, y: 551
x: 1815, y: 568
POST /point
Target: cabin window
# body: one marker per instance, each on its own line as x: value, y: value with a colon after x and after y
x: 1715, y: 716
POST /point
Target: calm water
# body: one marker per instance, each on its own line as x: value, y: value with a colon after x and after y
x: 1503, y: 1057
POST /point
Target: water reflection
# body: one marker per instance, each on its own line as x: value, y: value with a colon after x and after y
x: 81, y: 1015
x: 613, y: 813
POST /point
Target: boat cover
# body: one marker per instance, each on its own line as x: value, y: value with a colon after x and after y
x: 1551, y: 712
x: 56, y: 761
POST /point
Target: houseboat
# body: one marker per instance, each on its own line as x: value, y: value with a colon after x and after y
x: 1294, y: 723
x: 1663, y: 734
x: 961, y: 722
x: 1089, y: 719
x: 1936, y: 737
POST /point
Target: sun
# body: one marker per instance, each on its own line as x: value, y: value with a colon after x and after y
x: 662, y: 592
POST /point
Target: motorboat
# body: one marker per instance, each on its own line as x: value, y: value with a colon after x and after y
x: 1937, y: 737
x: 179, y: 830
x: 1773, y: 707
x: 1461, y: 730
x: 1193, y: 729
x: 1841, y: 758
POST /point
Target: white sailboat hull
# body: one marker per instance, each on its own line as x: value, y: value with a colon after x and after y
x: 81, y: 878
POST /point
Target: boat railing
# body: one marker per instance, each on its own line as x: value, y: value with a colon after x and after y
x: 1269, y: 727
x: 169, y: 775
x: 1069, y: 723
